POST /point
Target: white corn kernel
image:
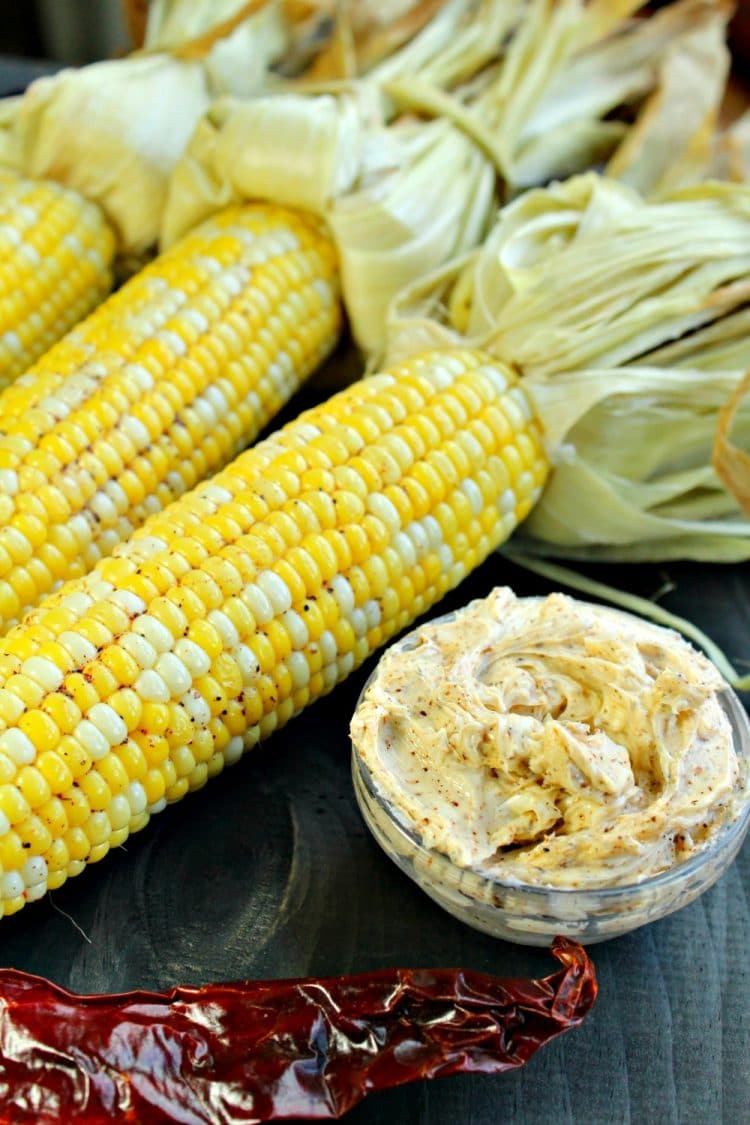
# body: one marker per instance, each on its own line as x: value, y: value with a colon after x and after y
x: 216, y: 494
x: 91, y: 739
x: 34, y: 871
x: 193, y: 657
x: 299, y: 669
x: 146, y: 546
x: 36, y: 891
x: 473, y: 494
x: 11, y: 885
x: 196, y: 707
x: 419, y: 538
x: 295, y: 626
x: 154, y: 632
x: 358, y: 621
x: 330, y: 676
x: 18, y: 746
x: 109, y: 723
x: 119, y: 812
x: 224, y: 627
x: 405, y: 548
x: 139, y: 648
x: 140, y: 375
x: 131, y: 603
x: 79, y: 648
x: 8, y: 482
x: 247, y: 663
x: 276, y: 590
x: 507, y: 502
x: 327, y: 646
x: 135, y: 430
x: 445, y: 554
x: 172, y: 340
x: 234, y: 750
x: 432, y: 531
x: 372, y: 612
x: 342, y: 593
x: 103, y: 508
x: 495, y: 376
x: 151, y: 687
x: 135, y: 795
x: 382, y: 508
x: 11, y: 705
x: 174, y: 673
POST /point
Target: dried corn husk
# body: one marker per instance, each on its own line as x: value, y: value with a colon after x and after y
x: 670, y: 143
x: 628, y: 321
x: 731, y: 152
x: 634, y: 478
x: 114, y: 130
x: 561, y: 97
x: 732, y: 464
x: 401, y: 197
x: 587, y: 274
x: 528, y: 88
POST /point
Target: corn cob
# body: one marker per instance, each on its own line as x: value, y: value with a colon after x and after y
x: 247, y: 599
x: 160, y: 387
x: 56, y: 253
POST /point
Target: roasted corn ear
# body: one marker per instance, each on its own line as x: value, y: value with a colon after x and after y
x: 159, y: 388
x: 56, y: 253
x: 247, y: 599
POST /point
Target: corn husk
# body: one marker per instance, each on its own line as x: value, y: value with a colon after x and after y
x: 670, y: 144
x: 586, y: 274
x: 525, y: 87
x: 404, y: 217
x: 629, y: 323
x: 561, y: 97
x: 172, y: 24
x: 381, y: 184
x: 297, y: 151
x: 633, y: 478
x: 114, y: 130
x: 731, y: 151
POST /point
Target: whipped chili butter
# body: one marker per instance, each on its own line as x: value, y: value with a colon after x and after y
x: 552, y: 742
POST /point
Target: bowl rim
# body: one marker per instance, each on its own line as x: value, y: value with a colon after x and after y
x: 727, y: 834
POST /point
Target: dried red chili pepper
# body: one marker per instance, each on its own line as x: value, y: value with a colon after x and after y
x: 260, y: 1051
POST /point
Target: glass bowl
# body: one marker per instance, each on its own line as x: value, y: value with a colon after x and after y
x: 533, y: 915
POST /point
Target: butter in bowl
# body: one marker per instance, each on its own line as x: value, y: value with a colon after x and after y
x: 545, y: 766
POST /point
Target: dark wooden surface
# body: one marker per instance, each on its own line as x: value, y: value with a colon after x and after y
x: 270, y: 872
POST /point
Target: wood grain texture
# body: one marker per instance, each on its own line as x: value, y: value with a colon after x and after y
x: 270, y: 872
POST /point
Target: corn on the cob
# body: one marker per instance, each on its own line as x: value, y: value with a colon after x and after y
x: 56, y: 253
x: 160, y: 387
x: 248, y: 598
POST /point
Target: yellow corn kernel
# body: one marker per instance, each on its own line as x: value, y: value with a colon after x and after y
x: 33, y: 785
x: 54, y: 817
x: 40, y: 729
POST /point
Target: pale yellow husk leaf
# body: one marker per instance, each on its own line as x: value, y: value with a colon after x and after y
x: 402, y: 196
x: 114, y: 130
x: 628, y: 321
x: 586, y: 273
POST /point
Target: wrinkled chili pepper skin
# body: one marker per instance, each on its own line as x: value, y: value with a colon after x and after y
x: 261, y: 1051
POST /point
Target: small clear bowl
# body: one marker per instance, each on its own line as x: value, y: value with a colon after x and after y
x: 533, y: 915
